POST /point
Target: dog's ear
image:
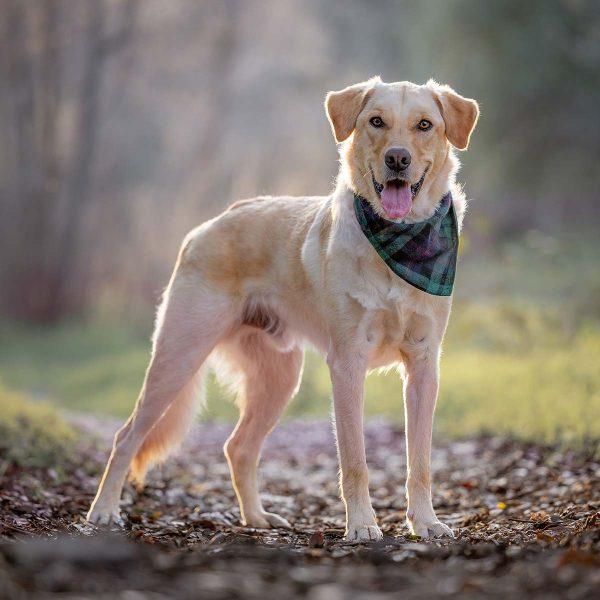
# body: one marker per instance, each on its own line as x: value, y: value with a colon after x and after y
x: 460, y: 114
x: 343, y: 107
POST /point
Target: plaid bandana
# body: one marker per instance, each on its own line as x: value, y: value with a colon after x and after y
x: 423, y: 254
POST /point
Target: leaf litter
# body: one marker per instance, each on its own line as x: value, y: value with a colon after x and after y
x: 526, y: 517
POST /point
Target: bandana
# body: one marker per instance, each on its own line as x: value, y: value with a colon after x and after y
x: 424, y: 253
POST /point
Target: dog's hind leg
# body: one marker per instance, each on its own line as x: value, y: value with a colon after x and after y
x: 190, y: 323
x: 269, y: 378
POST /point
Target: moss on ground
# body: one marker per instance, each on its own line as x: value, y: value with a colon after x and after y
x: 32, y: 434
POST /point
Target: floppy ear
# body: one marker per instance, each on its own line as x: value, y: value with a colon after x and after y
x: 343, y: 107
x: 460, y: 114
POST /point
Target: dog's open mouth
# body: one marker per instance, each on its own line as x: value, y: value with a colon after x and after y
x: 397, y: 195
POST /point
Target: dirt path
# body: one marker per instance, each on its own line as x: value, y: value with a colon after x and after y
x: 526, y: 518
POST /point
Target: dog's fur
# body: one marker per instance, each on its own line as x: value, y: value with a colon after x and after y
x: 256, y: 283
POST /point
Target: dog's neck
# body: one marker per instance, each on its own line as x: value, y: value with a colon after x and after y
x: 435, y: 187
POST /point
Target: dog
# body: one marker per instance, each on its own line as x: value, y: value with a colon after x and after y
x: 252, y: 286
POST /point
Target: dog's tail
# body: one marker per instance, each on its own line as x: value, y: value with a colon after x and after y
x: 169, y: 431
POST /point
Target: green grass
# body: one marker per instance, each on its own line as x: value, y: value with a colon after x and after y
x: 520, y: 357
x: 96, y: 368
x: 519, y: 371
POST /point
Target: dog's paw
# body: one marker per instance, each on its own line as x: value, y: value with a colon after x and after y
x: 105, y: 518
x: 265, y: 520
x: 428, y: 527
x: 363, y: 533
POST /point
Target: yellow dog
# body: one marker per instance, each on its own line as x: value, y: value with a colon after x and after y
x: 254, y: 285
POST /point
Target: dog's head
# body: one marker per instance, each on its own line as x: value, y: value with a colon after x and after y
x: 398, y: 140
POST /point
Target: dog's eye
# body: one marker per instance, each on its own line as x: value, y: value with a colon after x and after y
x: 424, y: 125
x: 377, y: 122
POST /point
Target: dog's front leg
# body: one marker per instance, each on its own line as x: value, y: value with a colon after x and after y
x: 420, y: 396
x: 348, y: 370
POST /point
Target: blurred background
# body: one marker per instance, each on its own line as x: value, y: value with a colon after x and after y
x: 125, y: 123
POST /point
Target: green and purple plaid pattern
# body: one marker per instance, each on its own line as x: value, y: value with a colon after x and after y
x: 423, y: 254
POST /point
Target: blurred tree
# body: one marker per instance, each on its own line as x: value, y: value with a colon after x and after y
x: 48, y: 186
x: 535, y: 67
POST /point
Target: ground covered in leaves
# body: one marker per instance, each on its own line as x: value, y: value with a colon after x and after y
x: 526, y: 519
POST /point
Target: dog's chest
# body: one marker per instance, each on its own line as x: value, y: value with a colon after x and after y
x: 393, y: 319
x: 399, y: 321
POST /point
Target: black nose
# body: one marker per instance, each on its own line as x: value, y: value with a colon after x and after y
x: 397, y: 159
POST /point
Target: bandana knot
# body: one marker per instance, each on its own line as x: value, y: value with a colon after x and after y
x: 423, y: 254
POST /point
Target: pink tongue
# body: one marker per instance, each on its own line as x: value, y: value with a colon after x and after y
x: 396, y: 201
